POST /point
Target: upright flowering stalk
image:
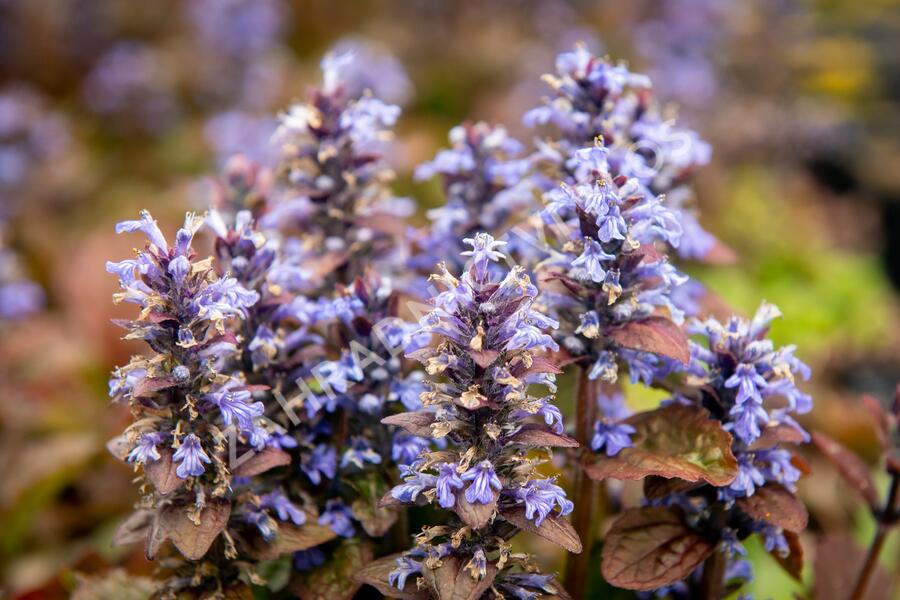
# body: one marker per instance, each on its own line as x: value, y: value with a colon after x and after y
x: 335, y: 203
x: 483, y: 175
x: 185, y: 405
x: 730, y: 475
x: 326, y: 339
x: 486, y: 355
x: 595, y: 101
x: 610, y: 287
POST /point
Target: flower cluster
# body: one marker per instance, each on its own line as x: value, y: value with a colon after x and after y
x: 488, y: 352
x: 595, y: 101
x: 483, y: 175
x: 186, y: 407
x: 336, y: 204
x: 750, y: 386
x: 604, y: 275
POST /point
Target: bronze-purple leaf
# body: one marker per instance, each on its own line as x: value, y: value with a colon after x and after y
x: 291, y: 538
x: 193, y: 541
x: 134, y: 529
x: 475, y: 515
x: 850, y: 466
x: 451, y: 580
x: 651, y: 547
x: 554, y: 529
x: 416, y: 423
x: 150, y: 385
x: 793, y: 562
x: 263, y: 461
x: 656, y: 487
x: 673, y: 441
x: 376, y: 574
x: 780, y: 433
x: 161, y: 473
x: 334, y: 580
x: 539, y: 435
x: 776, y: 505
x: 374, y: 518
x: 657, y: 335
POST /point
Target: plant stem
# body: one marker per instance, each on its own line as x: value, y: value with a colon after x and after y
x: 886, y: 520
x: 712, y: 586
x: 586, y: 490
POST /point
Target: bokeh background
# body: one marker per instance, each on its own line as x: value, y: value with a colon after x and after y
x: 110, y: 106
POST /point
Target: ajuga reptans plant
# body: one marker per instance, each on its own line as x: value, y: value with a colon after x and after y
x: 280, y: 425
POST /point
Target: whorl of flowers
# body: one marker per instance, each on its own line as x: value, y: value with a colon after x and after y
x: 604, y: 272
x: 750, y: 386
x: 334, y: 200
x: 483, y: 175
x: 487, y: 353
x: 595, y: 100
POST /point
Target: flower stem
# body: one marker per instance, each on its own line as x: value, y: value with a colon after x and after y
x: 586, y: 490
x: 886, y: 520
x: 712, y: 586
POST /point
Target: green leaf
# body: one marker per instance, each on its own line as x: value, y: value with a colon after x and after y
x: 672, y: 442
x: 647, y: 548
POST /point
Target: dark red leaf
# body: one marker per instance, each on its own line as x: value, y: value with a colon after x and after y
x: 291, y: 538
x: 777, y: 434
x: 148, y: 386
x: 376, y: 574
x: 793, y: 562
x: 193, y: 541
x: 161, y: 473
x: 475, y: 515
x: 554, y: 529
x: 776, y: 505
x: 838, y: 561
x: 673, y: 441
x: 451, y: 580
x: 659, y: 487
x: 416, y: 423
x: 658, y: 335
x: 134, y: 529
x: 647, y: 548
x: 539, y: 435
x: 263, y: 461
x: 850, y: 466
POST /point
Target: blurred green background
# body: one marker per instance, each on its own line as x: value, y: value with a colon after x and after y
x: 798, y: 98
